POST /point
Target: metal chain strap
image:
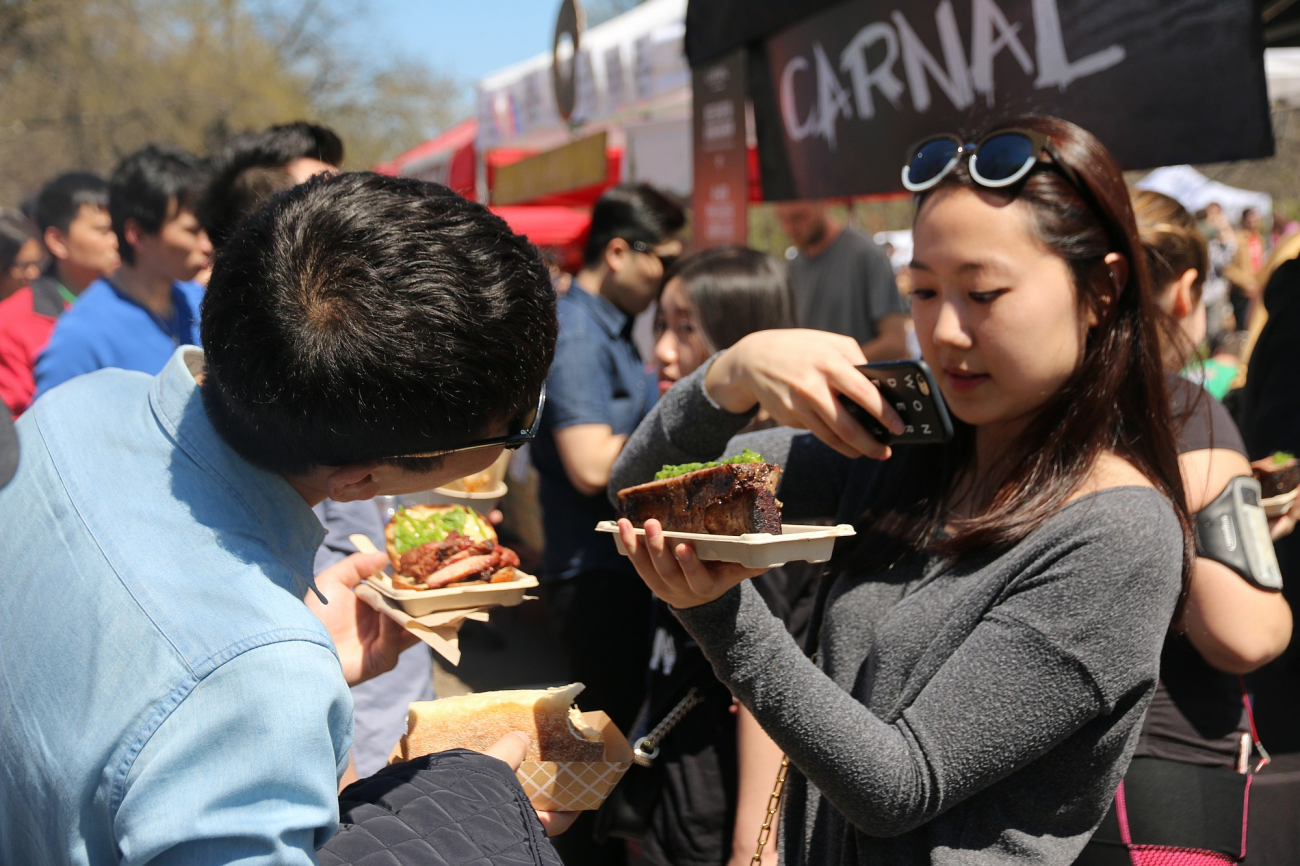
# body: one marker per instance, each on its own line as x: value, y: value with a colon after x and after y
x: 647, y: 748
x: 773, y: 803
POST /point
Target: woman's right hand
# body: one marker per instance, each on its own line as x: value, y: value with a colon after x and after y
x: 797, y: 375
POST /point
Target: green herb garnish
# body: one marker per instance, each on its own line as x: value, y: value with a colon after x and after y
x: 745, y: 456
x: 1282, y: 457
x: 410, y: 532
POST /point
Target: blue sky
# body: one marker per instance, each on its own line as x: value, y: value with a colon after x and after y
x: 466, y: 39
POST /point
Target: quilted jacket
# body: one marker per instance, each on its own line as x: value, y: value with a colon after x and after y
x: 455, y: 808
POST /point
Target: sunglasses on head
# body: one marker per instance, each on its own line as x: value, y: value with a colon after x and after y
x: 527, y: 426
x: 997, y: 160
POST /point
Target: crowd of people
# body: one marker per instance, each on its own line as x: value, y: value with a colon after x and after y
x: 1037, y: 648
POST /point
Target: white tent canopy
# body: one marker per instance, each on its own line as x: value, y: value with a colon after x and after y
x: 1194, y: 191
x: 1282, y: 70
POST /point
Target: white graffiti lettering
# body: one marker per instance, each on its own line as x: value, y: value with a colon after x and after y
x: 1054, y: 67
x: 992, y: 33
x: 854, y: 62
x: 917, y: 60
x: 985, y: 43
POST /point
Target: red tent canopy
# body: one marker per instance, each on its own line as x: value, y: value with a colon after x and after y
x: 447, y: 159
x: 562, y: 230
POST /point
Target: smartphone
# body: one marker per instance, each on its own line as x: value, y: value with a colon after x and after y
x: 909, y: 387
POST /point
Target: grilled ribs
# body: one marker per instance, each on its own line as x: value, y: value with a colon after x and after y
x: 1276, y: 478
x: 723, y: 500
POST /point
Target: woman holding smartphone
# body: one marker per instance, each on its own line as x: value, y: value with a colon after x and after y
x: 986, y: 648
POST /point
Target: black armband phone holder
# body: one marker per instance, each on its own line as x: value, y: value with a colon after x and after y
x: 1233, y: 530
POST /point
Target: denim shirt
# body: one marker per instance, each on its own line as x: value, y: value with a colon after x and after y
x: 597, y: 377
x: 167, y: 696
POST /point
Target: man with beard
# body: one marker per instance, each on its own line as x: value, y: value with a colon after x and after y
x: 843, y: 282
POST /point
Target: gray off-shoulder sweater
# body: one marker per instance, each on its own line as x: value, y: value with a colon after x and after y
x: 976, y: 712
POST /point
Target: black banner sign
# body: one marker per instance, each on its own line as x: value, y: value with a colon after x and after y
x: 1160, y: 82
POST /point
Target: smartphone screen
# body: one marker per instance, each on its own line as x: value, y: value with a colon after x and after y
x: 910, y: 388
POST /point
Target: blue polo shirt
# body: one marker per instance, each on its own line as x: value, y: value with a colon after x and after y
x: 597, y: 377
x: 168, y: 697
x: 107, y: 328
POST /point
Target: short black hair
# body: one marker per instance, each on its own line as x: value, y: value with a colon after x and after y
x: 60, y: 200
x: 144, y: 185
x: 633, y: 212
x: 251, y: 168
x: 356, y: 317
x: 15, y: 230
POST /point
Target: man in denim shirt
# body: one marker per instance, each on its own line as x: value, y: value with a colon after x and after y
x: 169, y: 697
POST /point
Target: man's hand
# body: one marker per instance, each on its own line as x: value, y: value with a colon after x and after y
x: 511, y: 748
x: 368, y: 643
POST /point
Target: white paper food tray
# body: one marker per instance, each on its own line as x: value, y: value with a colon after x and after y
x: 1276, y: 506
x: 756, y: 549
x: 418, y: 602
x: 481, y: 501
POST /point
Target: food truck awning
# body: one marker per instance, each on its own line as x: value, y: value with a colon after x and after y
x: 547, y: 226
x: 581, y: 197
x: 447, y: 159
x: 560, y: 230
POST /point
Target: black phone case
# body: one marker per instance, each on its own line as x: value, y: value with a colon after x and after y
x: 910, y: 388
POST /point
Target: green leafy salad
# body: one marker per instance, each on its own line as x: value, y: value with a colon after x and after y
x: 745, y: 456
x: 410, y: 531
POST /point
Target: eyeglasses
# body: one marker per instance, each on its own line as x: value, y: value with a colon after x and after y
x: 29, y: 270
x: 997, y: 160
x: 664, y: 259
x: 527, y: 425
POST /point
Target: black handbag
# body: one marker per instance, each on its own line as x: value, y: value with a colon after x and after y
x: 625, y: 814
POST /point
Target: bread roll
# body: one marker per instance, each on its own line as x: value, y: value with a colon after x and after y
x: 477, y: 721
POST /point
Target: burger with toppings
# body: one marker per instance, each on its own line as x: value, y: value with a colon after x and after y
x: 433, y: 546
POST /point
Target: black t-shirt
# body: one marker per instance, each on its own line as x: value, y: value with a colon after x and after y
x: 1196, y: 716
x: 696, y: 811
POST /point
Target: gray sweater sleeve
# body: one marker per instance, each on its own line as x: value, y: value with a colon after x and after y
x: 1077, y: 633
x: 686, y: 426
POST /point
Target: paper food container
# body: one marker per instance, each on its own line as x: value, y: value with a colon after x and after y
x: 482, y: 501
x: 578, y: 786
x: 1276, y: 506
x: 756, y: 549
x: 418, y: 602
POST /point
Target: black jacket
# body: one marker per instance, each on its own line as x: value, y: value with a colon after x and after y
x: 453, y: 808
x: 1268, y: 412
x: 1267, y: 409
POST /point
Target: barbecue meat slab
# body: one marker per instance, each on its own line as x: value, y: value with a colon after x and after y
x: 722, y: 500
x: 1277, y: 478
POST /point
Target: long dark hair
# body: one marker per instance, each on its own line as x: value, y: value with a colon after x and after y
x: 735, y: 291
x: 1114, y: 401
